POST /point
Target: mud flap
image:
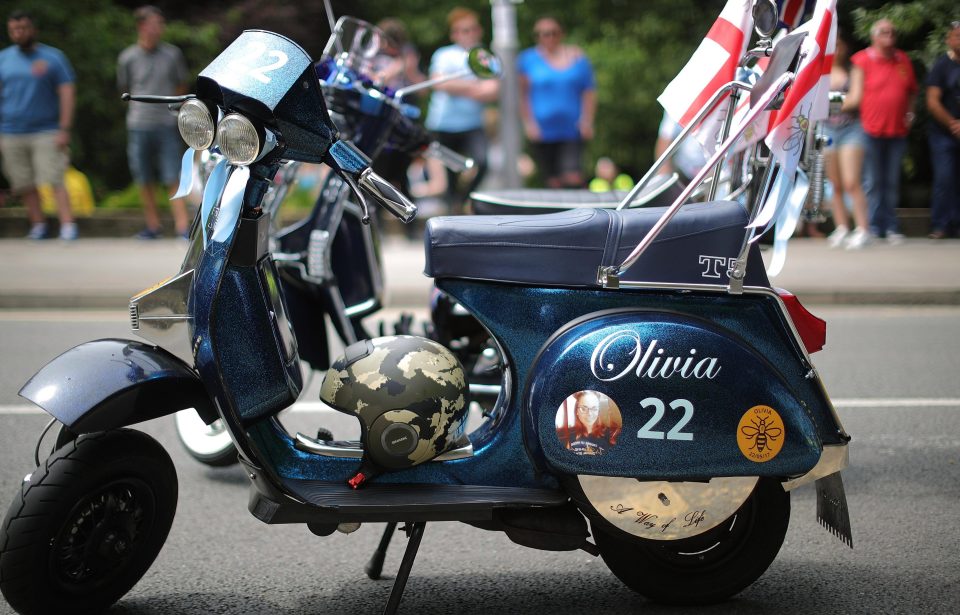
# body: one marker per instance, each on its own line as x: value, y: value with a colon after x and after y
x: 832, y: 512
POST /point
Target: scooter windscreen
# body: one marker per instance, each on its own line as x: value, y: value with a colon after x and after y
x: 269, y: 77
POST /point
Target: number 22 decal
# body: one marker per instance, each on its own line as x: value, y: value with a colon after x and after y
x: 254, y: 51
x: 659, y: 410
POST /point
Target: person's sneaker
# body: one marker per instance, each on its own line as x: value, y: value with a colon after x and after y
x: 895, y: 239
x: 184, y: 235
x: 37, y: 231
x: 937, y: 235
x: 858, y: 239
x: 835, y: 239
x: 148, y: 233
x: 68, y: 231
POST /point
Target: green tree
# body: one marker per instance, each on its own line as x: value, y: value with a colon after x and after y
x: 92, y: 33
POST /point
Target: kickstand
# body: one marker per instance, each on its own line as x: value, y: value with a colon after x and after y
x: 375, y: 566
x: 414, y: 533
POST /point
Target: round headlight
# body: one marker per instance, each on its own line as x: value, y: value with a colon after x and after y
x: 196, y: 125
x: 238, y: 140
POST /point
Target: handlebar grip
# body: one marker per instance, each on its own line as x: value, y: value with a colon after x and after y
x: 389, y: 197
x: 450, y: 159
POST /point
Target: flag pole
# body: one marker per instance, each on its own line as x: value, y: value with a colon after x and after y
x: 708, y: 108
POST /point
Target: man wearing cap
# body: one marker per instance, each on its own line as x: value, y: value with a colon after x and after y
x: 943, y: 103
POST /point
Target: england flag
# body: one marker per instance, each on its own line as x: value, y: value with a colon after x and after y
x: 713, y: 65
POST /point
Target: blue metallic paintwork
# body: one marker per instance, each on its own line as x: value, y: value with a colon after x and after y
x: 261, y: 375
x: 348, y: 158
x: 743, y: 379
x: 523, y: 319
x: 110, y: 383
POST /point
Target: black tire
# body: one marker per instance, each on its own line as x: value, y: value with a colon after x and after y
x: 210, y: 446
x: 707, y: 568
x: 87, y: 524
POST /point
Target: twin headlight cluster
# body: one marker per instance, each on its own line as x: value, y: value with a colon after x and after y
x: 235, y: 136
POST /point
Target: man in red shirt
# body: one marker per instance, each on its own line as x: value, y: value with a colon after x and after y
x: 886, y: 112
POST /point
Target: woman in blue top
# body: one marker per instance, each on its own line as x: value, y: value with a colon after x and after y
x: 557, y: 104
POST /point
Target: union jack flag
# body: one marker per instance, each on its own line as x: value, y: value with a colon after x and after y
x: 792, y: 12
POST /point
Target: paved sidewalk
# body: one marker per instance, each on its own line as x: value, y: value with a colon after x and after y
x: 104, y: 273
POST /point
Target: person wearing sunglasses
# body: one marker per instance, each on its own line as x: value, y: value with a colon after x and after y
x: 557, y: 104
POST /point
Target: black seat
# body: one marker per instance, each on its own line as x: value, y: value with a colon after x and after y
x: 568, y: 248
x: 661, y: 190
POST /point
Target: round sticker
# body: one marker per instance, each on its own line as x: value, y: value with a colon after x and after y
x: 588, y: 423
x: 760, y: 434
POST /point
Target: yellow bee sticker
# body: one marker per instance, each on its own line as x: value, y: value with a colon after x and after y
x: 760, y: 434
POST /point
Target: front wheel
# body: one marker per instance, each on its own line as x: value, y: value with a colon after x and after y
x: 209, y: 444
x: 87, y: 524
x: 708, y: 567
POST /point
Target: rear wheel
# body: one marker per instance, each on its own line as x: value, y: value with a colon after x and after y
x: 87, y: 524
x: 705, y: 568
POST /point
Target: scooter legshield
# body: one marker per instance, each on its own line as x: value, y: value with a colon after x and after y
x: 110, y: 383
x: 663, y: 396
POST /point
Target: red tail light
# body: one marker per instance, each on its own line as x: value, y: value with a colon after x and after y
x: 812, y: 330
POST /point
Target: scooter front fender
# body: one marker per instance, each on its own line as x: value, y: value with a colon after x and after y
x: 111, y: 383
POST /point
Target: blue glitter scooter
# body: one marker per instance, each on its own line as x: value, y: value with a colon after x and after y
x: 662, y: 396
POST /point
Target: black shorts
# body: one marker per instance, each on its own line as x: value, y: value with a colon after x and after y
x: 558, y: 157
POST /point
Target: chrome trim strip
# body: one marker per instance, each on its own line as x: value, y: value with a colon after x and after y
x: 835, y: 457
x: 361, y: 307
x: 485, y: 389
x: 352, y: 450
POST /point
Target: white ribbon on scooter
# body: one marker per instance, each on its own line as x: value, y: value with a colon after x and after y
x: 231, y: 204
x: 186, y: 174
x: 211, y: 194
x: 786, y: 223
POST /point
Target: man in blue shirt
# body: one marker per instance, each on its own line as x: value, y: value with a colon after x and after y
x: 36, y: 115
x: 456, y: 106
x: 943, y: 102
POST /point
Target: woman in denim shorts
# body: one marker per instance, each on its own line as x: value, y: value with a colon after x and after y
x: 845, y: 153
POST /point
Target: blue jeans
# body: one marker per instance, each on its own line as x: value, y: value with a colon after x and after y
x: 945, y: 201
x: 884, y: 156
x: 154, y: 154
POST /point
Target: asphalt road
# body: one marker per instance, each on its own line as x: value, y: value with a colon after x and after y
x: 891, y: 371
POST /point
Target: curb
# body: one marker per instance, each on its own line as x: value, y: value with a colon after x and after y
x: 417, y: 298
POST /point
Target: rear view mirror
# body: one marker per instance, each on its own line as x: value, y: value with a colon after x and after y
x: 765, y: 18
x: 484, y: 63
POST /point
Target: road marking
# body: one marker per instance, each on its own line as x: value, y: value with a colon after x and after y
x: 920, y: 402
x: 316, y: 406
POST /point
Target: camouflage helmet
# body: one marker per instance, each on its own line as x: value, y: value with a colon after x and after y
x: 409, y: 393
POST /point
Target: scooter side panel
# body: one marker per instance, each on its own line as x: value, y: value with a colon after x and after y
x: 110, y: 383
x: 658, y: 395
x: 255, y: 343
x: 523, y: 319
